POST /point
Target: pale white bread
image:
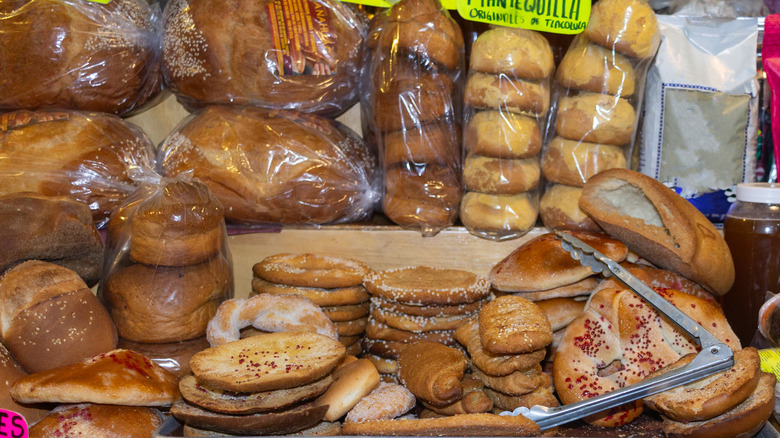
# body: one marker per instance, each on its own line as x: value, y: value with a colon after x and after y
x: 511, y: 324
x: 98, y: 421
x: 619, y: 340
x: 323, y: 428
x: 456, y: 425
x: 280, y: 422
x: 542, y: 264
x: 474, y: 400
x: 433, y: 372
x: 385, y: 402
x: 228, y: 402
x: 10, y: 372
x: 350, y: 384
x: 743, y: 421
x: 660, y: 226
x: 494, y: 364
x: 561, y: 311
x: 267, y: 361
x: 311, y: 270
x: 267, y: 312
x: 712, y: 395
x: 118, y: 377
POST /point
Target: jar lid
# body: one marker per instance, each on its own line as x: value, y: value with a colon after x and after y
x: 764, y: 193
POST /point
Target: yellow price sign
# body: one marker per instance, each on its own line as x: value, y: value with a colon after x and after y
x: 557, y: 16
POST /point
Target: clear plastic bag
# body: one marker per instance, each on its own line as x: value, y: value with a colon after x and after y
x: 275, y: 167
x: 597, y: 100
x: 411, y: 110
x: 167, y: 265
x: 79, y: 55
x: 507, y: 98
x: 279, y: 54
x: 85, y: 156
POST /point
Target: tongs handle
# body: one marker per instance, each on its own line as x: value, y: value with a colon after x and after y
x: 598, y: 262
x: 709, y: 361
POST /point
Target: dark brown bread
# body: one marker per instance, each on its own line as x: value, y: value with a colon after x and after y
x: 274, y: 159
x: 57, y: 229
x: 84, y: 156
x: 230, y: 58
x: 660, y: 226
x: 79, y: 55
x: 281, y: 422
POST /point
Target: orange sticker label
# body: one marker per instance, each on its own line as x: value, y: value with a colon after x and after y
x: 302, y: 35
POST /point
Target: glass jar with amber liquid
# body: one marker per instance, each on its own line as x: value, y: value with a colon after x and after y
x: 752, y: 232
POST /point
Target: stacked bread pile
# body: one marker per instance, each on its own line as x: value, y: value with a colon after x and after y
x: 506, y: 343
x: 170, y: 267
x: 260, y: 385
x: 333, y: 283
x: 412, y: 108
x: 598, y: 85
x: 418, y: 303
x: 507, y: 97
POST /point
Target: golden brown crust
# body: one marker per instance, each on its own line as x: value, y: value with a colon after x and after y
x: 311, y: 270
x: 573, y: 162
x: 10, y: 372
x: 418, y: 324
x: 505, y: 93
x: 595, y: 118
x: 512, y: 51
x: 381, y: 331
x: 511, y: 325
x: 655, y: 277
x: 351, y: 328
x: 494, y: 364
x: 422, y: 285
x: 350, y: 384
x: 500, y: 176
x: 457, y: 425
x: 322, y: 297
x: 517, y: 383
x: 432, y: 144
x: 559, y: 209
x: 629, y: 27
x: 590, y: 67
x: 561, y: 311
x: 432, y: 372
x: 580, y: 289
x: 503, y: 134
x: 96, y: 420
x: 660, y: 226
x: 541, y: 263
x: 499, y: 214
x: 347, y: 312
x: 386, y: 401
x: 474, y: 400
x: 541, y: 396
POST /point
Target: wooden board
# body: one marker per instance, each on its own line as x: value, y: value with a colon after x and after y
x: 380, y: 247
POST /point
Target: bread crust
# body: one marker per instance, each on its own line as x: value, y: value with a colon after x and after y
x: 494, y: 364
x: 660, y: 226
x: 507, y: 93
x: 513, y: 325
x: 503, y: 134
x: 350, y: 384
x: 559, y: 209
x: 590, y: 67
x: 629, y: 27
x: 433, y: 372
x: 95, y: 420
x: 595, y: 118
x: 311, y: 270
x: 513, y: 51
x: 456, y: 425
x: 573, y: 162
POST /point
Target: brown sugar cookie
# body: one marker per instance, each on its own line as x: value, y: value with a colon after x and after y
x: 347, y: 312
x: 418, y: 323
x: 311, y: 270
x: 511, y: 324
x: 433, y: 372
x: 517, y: 383
x: 422, y: 285
x: 351, y: 328
x: 380, y: 330
x: 340, y: 296
x: 443, y: 310
x: 494, y: 364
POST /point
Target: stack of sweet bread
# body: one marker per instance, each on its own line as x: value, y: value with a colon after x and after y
x: 507, y: 96
x: 418, y: 303
x: 333, y: 283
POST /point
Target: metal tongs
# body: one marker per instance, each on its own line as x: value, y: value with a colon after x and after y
x: 714, y: 356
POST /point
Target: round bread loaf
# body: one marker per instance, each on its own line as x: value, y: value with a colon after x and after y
x: 157, y: 304
x: 10, y: 372
x: 559, y: 209
x: 503, y: 134
x: 573, y: 162
x: 178, y: 223
x: 595, y: 118
x: 629, y: 27
x: 95, y: 420
x: 84, y: 156
x: 421, y: 28
x: 429, y: 144
x: 428, y: 199
x: 499, y: 213
x: 262, y: 166
x: 517, y: 52
x: 593, y: 68
x: 38, y: 227
x: 250, y: 53
x: 50, y: 318
x: 79, y: 55
x: 507, y: 94
x: 500, y: 176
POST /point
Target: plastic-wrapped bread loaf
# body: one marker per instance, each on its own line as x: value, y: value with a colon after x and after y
x: 507, y: 97
x: 597, y: 95
x: 411, y: 110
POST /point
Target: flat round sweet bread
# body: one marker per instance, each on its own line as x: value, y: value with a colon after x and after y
x: 347, y: 312
x: 423, y: 285
x: 418, y: 323
x: 430, y: 310
x: 383, y: 365
x: 311, y: 270
x: 382, y: 331
x: 351, y: 328
x: 341, y: 296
